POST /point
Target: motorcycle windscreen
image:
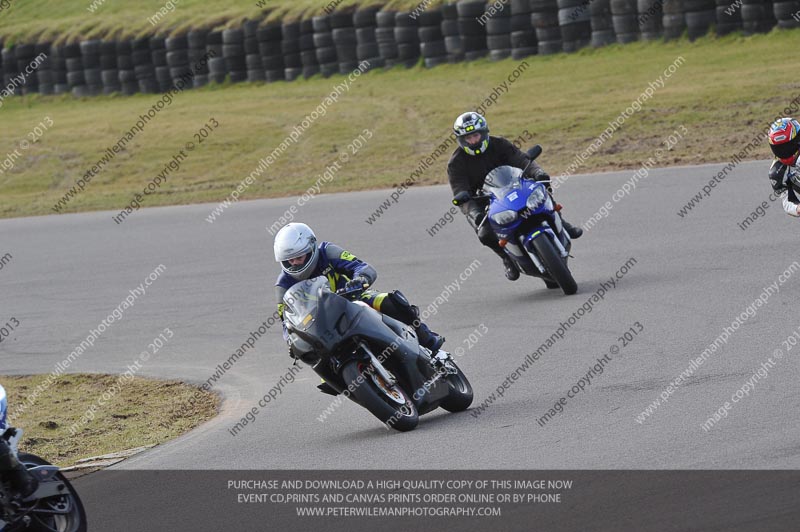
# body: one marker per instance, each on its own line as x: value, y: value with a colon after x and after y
x: 318, y: 315
x: 3, y: 409
x: 502, y: 180
x: 301, y: 301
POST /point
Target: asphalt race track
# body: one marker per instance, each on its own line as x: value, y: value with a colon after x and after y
x: 691, y: 277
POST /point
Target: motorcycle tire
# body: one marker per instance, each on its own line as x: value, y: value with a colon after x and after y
x: 74, y: 521
x: 555, y: 264
x: 461, y: 395
x: 367, y: 394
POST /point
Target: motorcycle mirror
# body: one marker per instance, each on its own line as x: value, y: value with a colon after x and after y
x: 534, y: 152
x: 461, y: 198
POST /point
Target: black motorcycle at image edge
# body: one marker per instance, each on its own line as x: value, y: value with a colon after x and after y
x: 527, y: 223
x: 373, y: 359
x: 53, y: 507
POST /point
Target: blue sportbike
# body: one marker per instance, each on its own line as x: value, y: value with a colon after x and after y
x: 527, y: 223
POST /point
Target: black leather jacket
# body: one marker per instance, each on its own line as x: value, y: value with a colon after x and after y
x: 785, y: 181
x: 468, y: 172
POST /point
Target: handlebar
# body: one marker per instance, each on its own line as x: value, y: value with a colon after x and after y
x: 353, y: 293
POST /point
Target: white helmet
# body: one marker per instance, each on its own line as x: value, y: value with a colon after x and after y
x: 297, y: 240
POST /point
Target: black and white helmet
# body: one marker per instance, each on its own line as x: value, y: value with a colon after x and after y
x: 467, y: 124
x: 297, y: 240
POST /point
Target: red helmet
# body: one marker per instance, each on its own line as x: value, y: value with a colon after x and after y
x: 784, y: 139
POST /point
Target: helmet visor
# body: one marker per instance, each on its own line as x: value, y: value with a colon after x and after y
x: 786, y: 152
x: 296, y: 264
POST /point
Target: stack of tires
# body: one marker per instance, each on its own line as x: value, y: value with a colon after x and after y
x: 450, y: 35
x: 45, y: 78
x: 308, y: 52
x: 523, y: 36
x: 700, y: 16
x: 217, y: 68
x: 344, y: 40
x: 624, y: 17
x: 574, y: 19
x: 498, y: 35
x: 72, y: 63
x: 177, y: 56
x: 650, y: 17
x: 785, y: 12
x: 367, y: 41
x: 269, y: 47
x: 24, y: 54
x: 407, y: 39
x: 142, y: 65
x: 158, y: 52
x: 109, y: 73
x: 757, y: 16
x: 473, y: 33
x: 10, y: 70
x: 544, y: 17
x: 233, y: 52
x: 59, y: 66
x: 602, y: 23
x: 290, y: 46
x: 125, y: 72
x: 323, y: 46
x: 252, y: 56
x: 198, y: 62
x: 673, y: 19
x: 431, y: 38
x: 384, y: 35
x: 92, y: 73
x: 728, y: 19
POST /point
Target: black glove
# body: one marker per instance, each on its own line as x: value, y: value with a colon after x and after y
x: 544, y: 176
x: 357, y: 283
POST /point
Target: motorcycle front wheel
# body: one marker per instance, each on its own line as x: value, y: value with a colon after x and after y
x: 390, y: 404
x: 555, y: 265
x: 460, y: 396
x: 60, y: 513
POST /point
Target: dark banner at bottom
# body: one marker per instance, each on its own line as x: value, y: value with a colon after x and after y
x: 612, y: 501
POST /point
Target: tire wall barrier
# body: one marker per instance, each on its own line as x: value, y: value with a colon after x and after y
x: 337, y: 42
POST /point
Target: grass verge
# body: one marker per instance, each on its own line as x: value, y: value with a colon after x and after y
x: 724, y: 93
x: 143, y: 412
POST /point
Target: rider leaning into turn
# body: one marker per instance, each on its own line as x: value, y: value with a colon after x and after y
x: 11, y: 468
x: 301, y: 258
x: 477, y: 155
x: 784, y: 139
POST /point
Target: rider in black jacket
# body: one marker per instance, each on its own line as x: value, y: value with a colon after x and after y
x: 476, y: 156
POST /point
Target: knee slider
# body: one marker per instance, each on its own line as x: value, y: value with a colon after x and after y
x: 399, y: 308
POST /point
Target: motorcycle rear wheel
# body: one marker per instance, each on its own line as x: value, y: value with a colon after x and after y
x: 366, y: 393
x: 42, y: 518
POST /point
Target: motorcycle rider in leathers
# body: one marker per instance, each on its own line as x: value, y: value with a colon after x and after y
x: 301, y: 258
x: 784, y: 173
x: 477, y: 155
x: 10, y: 467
